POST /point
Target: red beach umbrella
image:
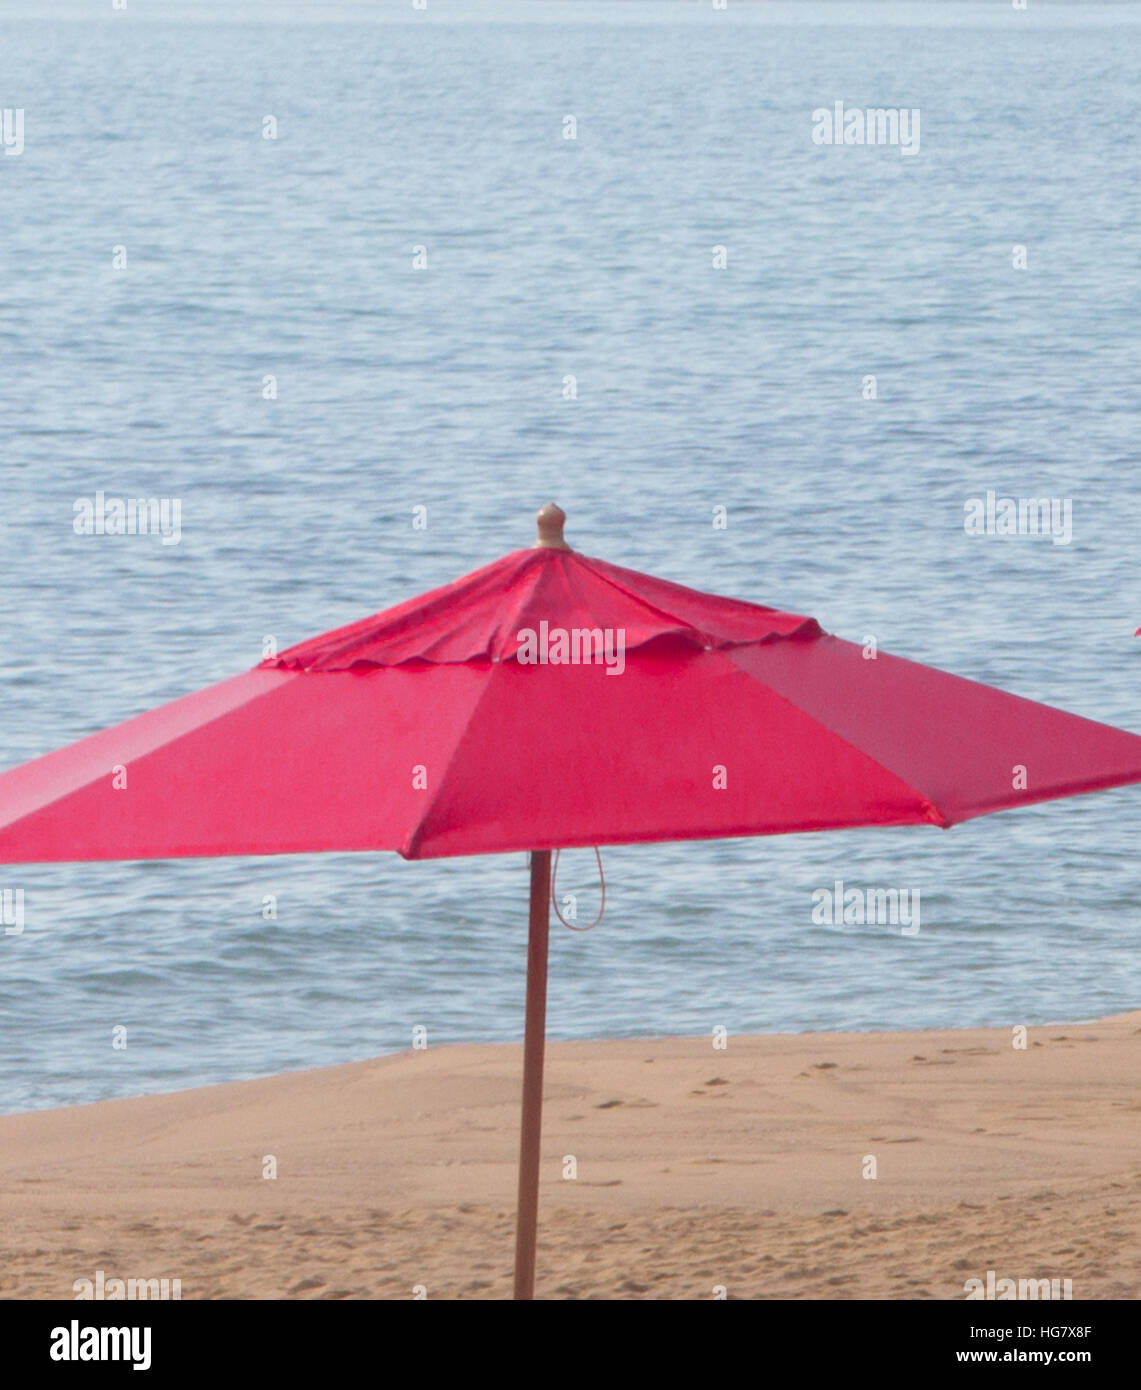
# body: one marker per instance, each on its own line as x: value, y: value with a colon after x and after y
x: 548, y: 701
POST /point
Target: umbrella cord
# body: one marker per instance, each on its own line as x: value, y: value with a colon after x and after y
x: 554, y: 898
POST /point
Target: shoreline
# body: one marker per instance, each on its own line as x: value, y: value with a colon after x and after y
x: 669, y: 1168
x: 601, y: 1041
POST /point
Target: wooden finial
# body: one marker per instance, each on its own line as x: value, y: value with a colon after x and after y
x: 551, y: 520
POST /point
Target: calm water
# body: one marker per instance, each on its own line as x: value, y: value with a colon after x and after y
x: 443, y: 387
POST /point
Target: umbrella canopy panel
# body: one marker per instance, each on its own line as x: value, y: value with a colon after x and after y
x: 438, y: 728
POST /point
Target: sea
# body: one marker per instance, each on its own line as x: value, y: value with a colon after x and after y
x: 362, y: 285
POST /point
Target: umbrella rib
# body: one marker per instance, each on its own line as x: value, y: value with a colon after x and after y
x: 684, y: 623
x: 641, y: 598
x: 161, y: 743
x: 411, y: 848
x: 928, y: 806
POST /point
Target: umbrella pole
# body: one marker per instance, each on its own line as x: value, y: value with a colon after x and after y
x: 534, y: 1039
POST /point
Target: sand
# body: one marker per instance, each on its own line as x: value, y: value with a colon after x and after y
x: 696, y: 1168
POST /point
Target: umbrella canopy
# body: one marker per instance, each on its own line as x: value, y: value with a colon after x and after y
x: 550, y: 700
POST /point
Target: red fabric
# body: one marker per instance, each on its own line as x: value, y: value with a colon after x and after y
x: 481, y: 615
x: 318, y: 749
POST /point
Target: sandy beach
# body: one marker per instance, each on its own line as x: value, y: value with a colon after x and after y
x: 695, y: 1168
